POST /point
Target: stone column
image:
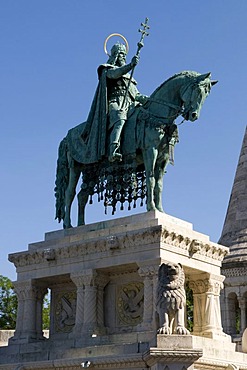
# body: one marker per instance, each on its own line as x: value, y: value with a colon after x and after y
x: 90, y: 305
x: 207, y: 315
x: 101, y: 282
x: 242, y: 306
x: 212, y: 320
x: 19, y: 288
x: 198, y: 287
x: 90, y: 300
x: 78, y: 280
x: 26, y: 327
x: 149, y: 274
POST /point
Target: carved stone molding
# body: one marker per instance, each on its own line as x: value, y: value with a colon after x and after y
x: 130, y: 240
x: 193, y: 246
x: 26, y: 290
x: 78, y: 280
x: 121, y: 362
x: 198, y: 286
x: 207, y: 284
x: 148, y: 271
x: 155, y: 355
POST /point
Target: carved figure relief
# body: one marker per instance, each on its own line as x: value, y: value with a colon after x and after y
x: 65, y: 311
x: 171, y: 299
x: 130, y: 304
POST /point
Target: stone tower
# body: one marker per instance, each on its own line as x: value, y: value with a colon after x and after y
x: 234, y: 267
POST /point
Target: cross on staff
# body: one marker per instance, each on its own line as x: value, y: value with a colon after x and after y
x: 140, y: 45
x: 144, y: 33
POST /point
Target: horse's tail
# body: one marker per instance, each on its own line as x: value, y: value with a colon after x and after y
x: 62, y: 179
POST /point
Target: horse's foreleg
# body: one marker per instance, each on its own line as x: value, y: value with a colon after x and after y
x: 159, y: 174
x: 70, y: 192
x: 82, y: 201
x: 149, y: 157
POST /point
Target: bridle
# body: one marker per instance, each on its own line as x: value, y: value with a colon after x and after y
x: 180, y: 110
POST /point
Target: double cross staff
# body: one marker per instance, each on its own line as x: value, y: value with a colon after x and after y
x: 140, y: 44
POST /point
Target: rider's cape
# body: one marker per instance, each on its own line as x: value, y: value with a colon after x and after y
x: 95, y: 130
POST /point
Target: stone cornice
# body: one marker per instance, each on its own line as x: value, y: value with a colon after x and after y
x: 122, y: 242
x: 194, y: 247
x: 154, y: 355
x: 126, y: 361
x: 211, y: 364
x: 149, y: 358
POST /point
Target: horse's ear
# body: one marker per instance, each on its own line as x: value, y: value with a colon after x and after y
x: 213, y: 82
x: 204, y: 76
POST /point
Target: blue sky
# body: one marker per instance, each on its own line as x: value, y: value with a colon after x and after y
x: 50, y: 51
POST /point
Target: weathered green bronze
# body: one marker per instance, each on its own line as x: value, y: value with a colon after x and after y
x: 142, y: 128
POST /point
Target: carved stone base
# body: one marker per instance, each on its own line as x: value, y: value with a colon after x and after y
x: 103, y: 282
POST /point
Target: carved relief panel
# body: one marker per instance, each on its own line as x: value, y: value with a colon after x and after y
x: 124, y: 302
x: 129, y: 304
x: 63, y: 308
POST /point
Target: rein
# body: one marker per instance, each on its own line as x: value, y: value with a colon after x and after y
x: 145, y: 106
x: 161, y: 102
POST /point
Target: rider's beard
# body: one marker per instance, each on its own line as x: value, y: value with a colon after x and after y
x: 121, y: 62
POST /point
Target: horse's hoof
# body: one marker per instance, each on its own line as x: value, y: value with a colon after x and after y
x: 69, y: 226
x: 160, y: 209
x: 151, y: 207
x: 81, y: 224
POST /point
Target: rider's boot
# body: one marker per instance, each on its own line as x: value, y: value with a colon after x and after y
x: 114, y: 155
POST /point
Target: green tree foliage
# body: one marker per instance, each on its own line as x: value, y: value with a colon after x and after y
x: 46, y: 312
x: 8, y: 304
x: 189, y: 307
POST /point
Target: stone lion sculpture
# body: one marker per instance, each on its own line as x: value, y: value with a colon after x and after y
x: 171, y: 299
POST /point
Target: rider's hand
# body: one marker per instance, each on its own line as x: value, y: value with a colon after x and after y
x: 134, y: 61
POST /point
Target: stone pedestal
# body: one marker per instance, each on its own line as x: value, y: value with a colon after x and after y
x: 103, y: 281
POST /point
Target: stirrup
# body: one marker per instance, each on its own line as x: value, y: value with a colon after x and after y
x: 115, y: 157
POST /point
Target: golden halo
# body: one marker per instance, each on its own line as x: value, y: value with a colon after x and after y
x: 115, y: 34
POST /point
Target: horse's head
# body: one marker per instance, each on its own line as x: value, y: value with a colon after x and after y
x: 194, y: 94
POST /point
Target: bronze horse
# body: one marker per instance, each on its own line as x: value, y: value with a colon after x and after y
x: 154, y: 134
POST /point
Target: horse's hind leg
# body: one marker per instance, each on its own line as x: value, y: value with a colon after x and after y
x: 159, y: 174
x: 74, y: 174
x: 82, y: 201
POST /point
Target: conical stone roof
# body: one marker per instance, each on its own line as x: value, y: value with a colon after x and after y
x: 234, y: 233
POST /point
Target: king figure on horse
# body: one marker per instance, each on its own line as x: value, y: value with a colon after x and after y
x: 121, y: 119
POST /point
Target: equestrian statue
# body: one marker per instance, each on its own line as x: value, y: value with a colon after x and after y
x: 128, y: 139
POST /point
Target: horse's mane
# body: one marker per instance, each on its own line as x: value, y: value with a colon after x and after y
x: 180, y: 74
